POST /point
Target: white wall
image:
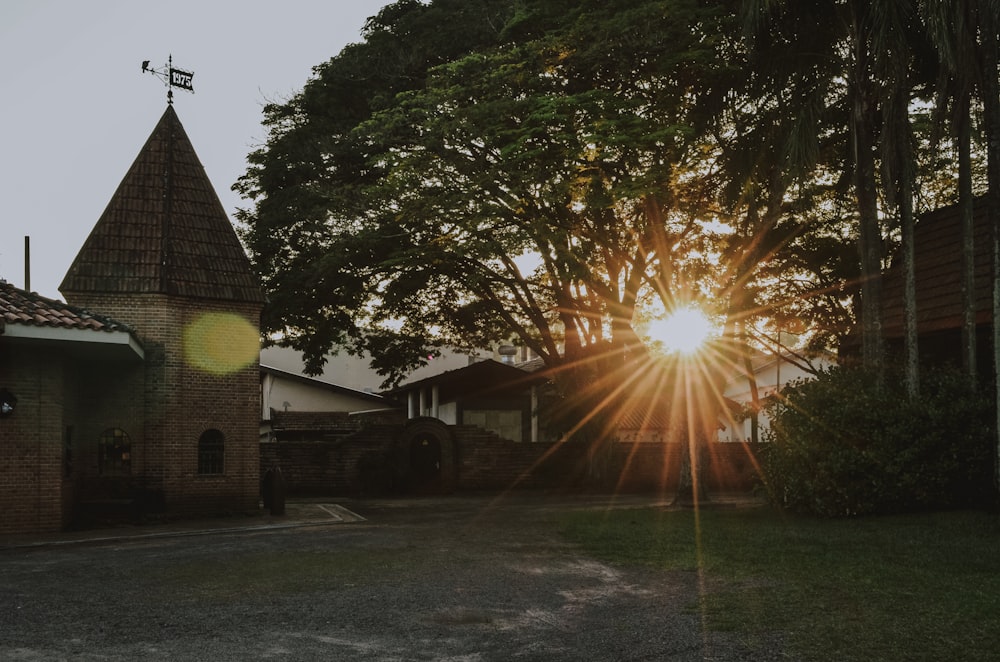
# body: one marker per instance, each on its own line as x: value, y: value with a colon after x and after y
x: 448, y: 413
x: 354, y: 372
x: 276, y: 391
x: 772, y: 376
x: 506, y: 423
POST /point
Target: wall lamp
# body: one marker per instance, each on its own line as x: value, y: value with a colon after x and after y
x: 7, y: 403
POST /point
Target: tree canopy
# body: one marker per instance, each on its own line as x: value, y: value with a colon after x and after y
x: 535, y: 180
x: 544, y: 172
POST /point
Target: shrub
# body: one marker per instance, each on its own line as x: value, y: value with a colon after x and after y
x: 842, y: 445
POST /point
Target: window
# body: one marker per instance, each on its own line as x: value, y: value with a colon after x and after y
x: 114, y: 453
x: 210, y: 452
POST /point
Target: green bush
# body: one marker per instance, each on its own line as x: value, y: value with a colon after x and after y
x: 841, y: 445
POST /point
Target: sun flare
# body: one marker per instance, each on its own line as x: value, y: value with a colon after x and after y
x: 221, y: 343
x: 684, y: 330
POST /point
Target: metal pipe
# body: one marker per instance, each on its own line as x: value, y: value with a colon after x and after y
x: 27, y: 263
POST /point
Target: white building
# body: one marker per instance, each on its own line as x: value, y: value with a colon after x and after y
x: 772, y: 373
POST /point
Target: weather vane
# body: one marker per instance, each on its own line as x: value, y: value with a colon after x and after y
x: 171, y: 77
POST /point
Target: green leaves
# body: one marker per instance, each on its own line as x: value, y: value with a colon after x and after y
x: 842, y: 445
x: 402, y: 191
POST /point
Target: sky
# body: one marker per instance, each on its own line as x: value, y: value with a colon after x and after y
x: 75, y: 107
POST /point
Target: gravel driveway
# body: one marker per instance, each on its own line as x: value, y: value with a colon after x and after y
x: 455, y: 579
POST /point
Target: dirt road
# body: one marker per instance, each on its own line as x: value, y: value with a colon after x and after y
x: 453, y: 579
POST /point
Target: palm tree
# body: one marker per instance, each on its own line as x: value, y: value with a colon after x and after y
x: 966, y: 35
x: 989, y: 16
x: 863, y: 104
x: 952, y: 29
x: 895, y: 37
x: 841, y: 33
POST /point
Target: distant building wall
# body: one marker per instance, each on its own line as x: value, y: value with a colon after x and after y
x: 288, y: 395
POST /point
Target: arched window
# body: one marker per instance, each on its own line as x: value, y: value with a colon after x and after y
x: 114, y: 453
x: 211, y: 445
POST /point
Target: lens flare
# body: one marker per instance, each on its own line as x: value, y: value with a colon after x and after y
x: 685, y: 330
x: 221, y: 343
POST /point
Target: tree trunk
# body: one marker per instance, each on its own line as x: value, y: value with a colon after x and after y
x: 691, y: 488
x: 912, y: 352
x: 586, y: 416
x: 869, y: 234
x: 965, y: 203
x: 991, y: 106
x: 752, y: 382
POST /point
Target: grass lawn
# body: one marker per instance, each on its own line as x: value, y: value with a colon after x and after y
x: 915, y: 587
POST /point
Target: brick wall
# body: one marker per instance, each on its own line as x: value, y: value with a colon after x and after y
x: 183, y: 398
x: 486, y: 462
x: 493, y: 463
x: 730, y: 467
x: 346, y: 466
x: 30, y: 441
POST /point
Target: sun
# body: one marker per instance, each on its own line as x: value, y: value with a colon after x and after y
x: 684, y: 330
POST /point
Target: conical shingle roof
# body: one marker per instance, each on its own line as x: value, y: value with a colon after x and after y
x: 165, y: 231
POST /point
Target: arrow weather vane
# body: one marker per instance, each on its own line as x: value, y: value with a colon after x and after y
x: 171, y: 77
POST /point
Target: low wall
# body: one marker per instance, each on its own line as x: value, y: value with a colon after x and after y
x: 358, y: 465
x: 638, y: 467
x: 322, y: 468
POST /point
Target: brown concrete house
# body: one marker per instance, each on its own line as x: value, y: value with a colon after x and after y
x: 143, y: 391
x: 938, y: 259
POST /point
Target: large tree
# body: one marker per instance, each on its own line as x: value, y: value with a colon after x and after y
x: 310, y: 181
x: 530, y: 184
x: 540, y: 181
x: 478, y: 171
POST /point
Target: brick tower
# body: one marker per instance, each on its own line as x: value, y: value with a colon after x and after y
x: 164, y: 259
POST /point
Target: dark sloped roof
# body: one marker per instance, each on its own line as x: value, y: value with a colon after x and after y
x: 480, y: 378
x: 165, y: 230
x: 18, y: 306
x: 938, y: 258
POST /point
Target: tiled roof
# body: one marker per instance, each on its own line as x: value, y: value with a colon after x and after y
x: 165, y: 230
x: 938, y: 252
x: 532, y: 365
x: 645, y: 419
x: 20, y: 307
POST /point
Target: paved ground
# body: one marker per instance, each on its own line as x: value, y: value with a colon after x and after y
x: 455, y: 579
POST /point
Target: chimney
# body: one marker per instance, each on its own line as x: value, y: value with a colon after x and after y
x: 27, y: 263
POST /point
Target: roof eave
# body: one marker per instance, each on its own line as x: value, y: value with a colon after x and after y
x: 80, y: 338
